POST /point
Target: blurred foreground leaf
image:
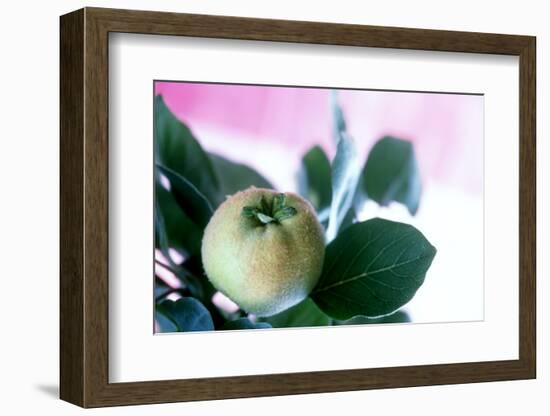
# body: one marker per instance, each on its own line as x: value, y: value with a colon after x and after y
x: 372, y: 269
x: 234, y: 177
x: 391, y: 174
x: 314, y: 178
x: 345, y: 172
x: 187, y: 314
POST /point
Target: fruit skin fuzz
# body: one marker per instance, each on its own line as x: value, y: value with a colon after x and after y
x: 264, y: 267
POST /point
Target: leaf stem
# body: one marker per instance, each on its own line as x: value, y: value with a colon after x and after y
x: 166, y: 266
x: 171, y: 269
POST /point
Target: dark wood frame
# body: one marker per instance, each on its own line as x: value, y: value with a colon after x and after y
x: 84, y: 208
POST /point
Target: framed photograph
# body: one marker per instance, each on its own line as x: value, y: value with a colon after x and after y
x: 255, y: 207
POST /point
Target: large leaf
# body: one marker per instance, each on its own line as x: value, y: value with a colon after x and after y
x: 345, y: 174
x: 304, y: 314
x: 391, y: 173
x: 187, y: 314
x: 314, y: 178
x: 189, y: 198
x: 176, y: 148
x: 372, y: 269
x: 234, y: 177
x: 244, y: 323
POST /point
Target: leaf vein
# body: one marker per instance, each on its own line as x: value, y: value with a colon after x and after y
x: 368, y: 273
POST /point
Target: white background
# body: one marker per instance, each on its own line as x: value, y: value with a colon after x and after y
x: 136, y: 355
x: 29, y: 224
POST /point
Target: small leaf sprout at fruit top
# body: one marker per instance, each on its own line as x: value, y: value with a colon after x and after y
x: 270, y: 213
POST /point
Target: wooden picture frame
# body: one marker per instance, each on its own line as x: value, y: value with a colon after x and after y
x: 84, y: 207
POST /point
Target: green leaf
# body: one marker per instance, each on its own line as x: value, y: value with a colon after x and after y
x: 189, y: 198
x: 279, y: 202
x: 391, y: 173
x: 398, y: 317
x: 234, y: 177
x: 285, y: 213
x: 304, y: 314
x: 162, y: 243
x: 345, y: 175
x: 193, y: 265
x: 191, y: 283
x: 250, y: 212
x: 314, y: 178
x: 244, y: 323
x: 177, y: 149
x: 372, y: 269
x: 178, y: 231
x: 160, y: 287
x: 339, y: 126
x: 165, y: 324
x: 187, y: 314
x: 161, y: 239
x: 265, y: 206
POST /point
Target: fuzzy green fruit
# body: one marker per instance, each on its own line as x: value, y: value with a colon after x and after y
x: 264, y: 250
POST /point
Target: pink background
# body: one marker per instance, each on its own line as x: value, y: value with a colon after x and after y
x: 447, y: 129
